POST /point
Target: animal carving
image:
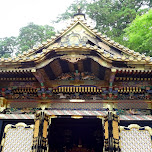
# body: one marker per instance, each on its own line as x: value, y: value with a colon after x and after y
x: 77, y: 76
x: 86, y: 76
x: 65, y: 76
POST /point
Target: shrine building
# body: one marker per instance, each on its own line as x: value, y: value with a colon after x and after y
x: 79, y: 91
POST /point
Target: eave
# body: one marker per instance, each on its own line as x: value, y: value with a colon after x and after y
x: 32, y: 55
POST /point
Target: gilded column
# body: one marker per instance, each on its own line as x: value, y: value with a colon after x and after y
x: 111, y: 134
x: 40, y: 137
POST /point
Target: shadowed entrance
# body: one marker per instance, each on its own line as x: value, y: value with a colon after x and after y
x: 76, y: 135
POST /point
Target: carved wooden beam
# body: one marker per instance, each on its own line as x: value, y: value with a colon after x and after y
x: 38, y: 75
x: 40, y: 79
x: 107, y: 74
x: 111, y: 80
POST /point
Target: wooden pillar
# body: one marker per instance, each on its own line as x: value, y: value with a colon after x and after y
x: 40, y: 137
x: 111, y: 80
x: 111, y: 135
x: 3, y: 104
x: 115, y: 132
x: 106, y: 134
x: 110, y: 132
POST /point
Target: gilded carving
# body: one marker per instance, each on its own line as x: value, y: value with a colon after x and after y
x: 2, y: 104
x: 74, y: 38
x: 78, y: 28
x: 73, y: 58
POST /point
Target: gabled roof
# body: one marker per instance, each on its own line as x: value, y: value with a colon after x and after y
x: 105, y: 47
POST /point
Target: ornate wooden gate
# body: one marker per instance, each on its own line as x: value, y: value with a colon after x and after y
x: 111, y: 133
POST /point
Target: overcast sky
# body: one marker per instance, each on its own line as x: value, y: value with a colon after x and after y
x: 15, y: 14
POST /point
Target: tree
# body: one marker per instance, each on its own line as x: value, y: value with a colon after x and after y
x: 139, y: 34
x: 111, y: 16
x: 32, y: 35
x: 72, y: 9
x: 7, y: 46
x: 29, y: 36
x: 114, y: 16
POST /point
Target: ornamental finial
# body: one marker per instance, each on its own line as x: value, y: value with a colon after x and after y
x: 79, y: 9
x: 79, y: 13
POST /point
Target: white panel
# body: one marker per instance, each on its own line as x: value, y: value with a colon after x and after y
x: 18, y: 140
x: 135, y: 140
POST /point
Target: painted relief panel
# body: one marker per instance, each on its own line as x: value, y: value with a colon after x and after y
x: 17, y: 138
x: 132, y: 105
x: 77, y: 106
x: 135, y: 139
x: 132, y: 83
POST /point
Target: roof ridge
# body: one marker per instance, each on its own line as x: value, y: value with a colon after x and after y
x: 29, y: 55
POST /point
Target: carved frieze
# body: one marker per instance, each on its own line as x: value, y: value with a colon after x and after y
x: 73, y: 58
x: 73, y: 38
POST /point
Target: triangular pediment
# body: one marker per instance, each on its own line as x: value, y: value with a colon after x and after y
x: 75, y: 35
x: 79, y: 34
x: 80, y: 37
x: 82, y: 34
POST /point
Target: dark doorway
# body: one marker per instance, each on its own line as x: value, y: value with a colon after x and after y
x: 76, y: 135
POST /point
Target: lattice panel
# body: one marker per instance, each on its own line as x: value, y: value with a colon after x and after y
x: 135, y: 140
x: 133, y: 105
x: 23, y: 104
x: 88, y: 106
x: 18, y: 139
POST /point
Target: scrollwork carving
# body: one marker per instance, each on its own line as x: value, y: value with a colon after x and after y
x: 73, y: 58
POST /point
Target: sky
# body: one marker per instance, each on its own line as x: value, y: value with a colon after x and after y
x: 15, y: 14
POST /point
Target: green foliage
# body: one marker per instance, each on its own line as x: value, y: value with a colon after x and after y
x: 7, y: 46
x: 33, y: 34
x: 111, y: 16
x: 72, y: 9
x: 29, y: 36
x: 139, y: 34
x: 114, y: 16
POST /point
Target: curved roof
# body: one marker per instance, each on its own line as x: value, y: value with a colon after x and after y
x: 78, y: 41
